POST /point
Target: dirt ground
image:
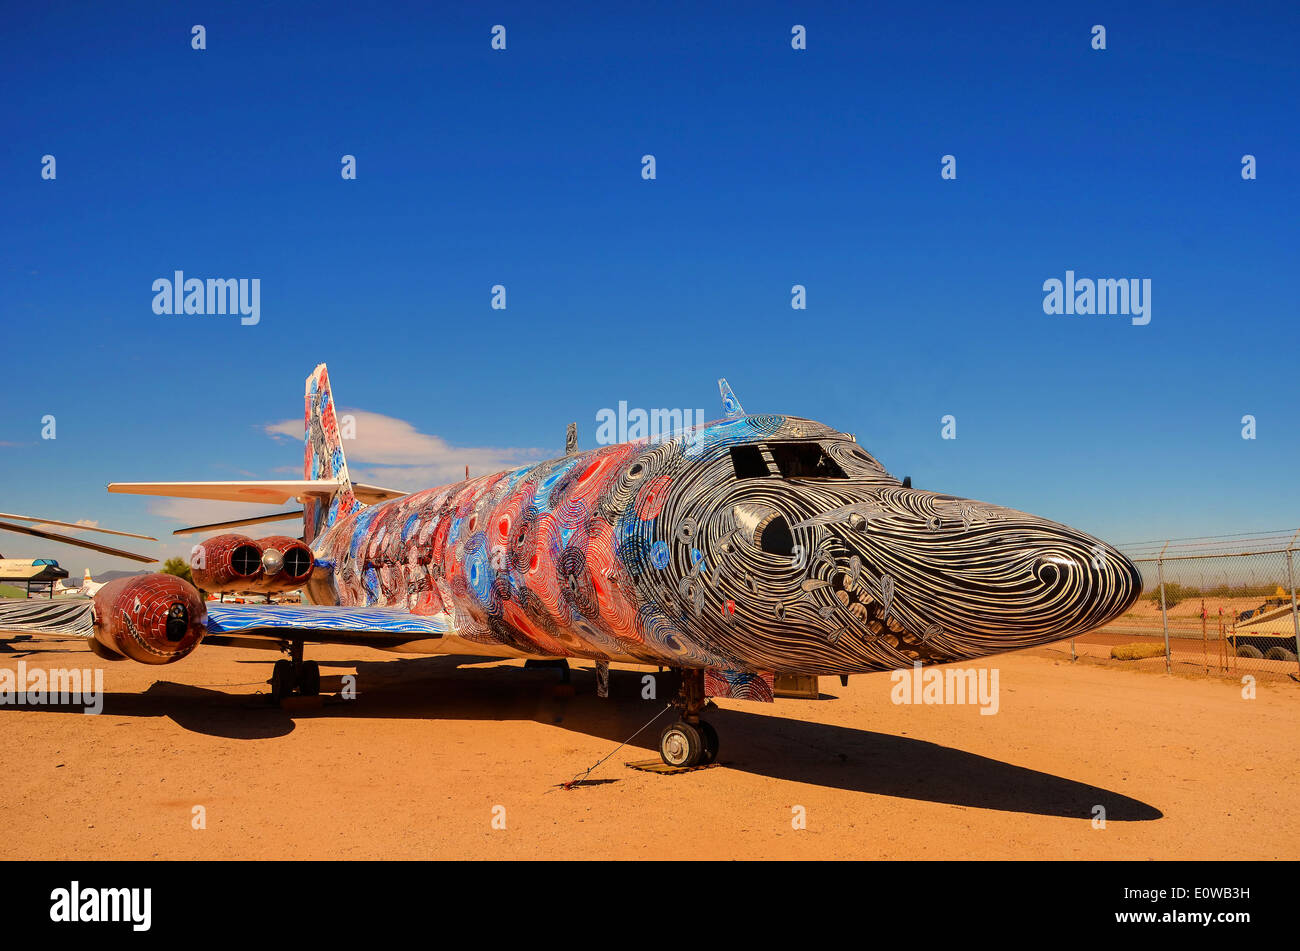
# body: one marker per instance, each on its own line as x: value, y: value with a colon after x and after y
x: 433, y: 749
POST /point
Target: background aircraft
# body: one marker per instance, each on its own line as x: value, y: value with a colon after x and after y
x: 89, y: 587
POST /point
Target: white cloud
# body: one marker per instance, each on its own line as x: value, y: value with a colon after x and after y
x: 82, y: 523
x: 204, y: 512
x: 391, y: 452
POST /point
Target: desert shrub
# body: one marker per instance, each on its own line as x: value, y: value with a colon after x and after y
x: 1174, y: 592
x: 1136, y: 651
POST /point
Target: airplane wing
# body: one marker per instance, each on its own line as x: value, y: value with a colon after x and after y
x: 84, y: 528
x: 274, y: 492
x: 229, y: 624
x: 78, y: 542
x: 321, y: 623
x: 64, y: 616
x: 69, y: 540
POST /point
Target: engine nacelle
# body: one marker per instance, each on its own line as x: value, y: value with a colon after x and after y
x: 153, y: 619
x: 286, y: 564
x: 226, y: 563
x: 230, y: 563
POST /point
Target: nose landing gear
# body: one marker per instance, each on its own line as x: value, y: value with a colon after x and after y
x: 690, y: 741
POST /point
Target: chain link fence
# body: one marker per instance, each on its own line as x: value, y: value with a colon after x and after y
x: 1223, y: 606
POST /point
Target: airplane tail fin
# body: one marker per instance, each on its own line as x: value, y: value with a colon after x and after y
x: 323, y: 458
x: 326, y: 490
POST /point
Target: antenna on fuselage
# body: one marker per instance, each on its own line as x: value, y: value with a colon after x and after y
x: 571, y: 439
x: 731, y: 407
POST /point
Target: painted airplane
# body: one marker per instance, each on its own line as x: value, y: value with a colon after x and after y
x: 727, y: 552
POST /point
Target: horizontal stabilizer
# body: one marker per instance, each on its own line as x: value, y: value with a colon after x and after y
x: 239, y: 522
x: 275, y: 492
x: 370, y: 494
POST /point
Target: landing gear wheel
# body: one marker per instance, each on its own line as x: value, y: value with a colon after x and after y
x: 681, y: 744
x: 710, y: 737
x: 309, y: 679
x: 282, y: 680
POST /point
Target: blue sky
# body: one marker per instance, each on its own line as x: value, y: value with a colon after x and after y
x: 522, y: 167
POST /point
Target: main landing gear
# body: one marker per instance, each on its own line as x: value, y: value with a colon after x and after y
x: 295, y: 676
x: 690, y: 741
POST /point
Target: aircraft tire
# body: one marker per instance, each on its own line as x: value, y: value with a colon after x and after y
x: 281, y: 680
x: 681, y: 744
x: 710, y: 738
x: 309, y: 679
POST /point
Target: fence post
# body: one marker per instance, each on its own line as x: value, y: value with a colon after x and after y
x: 1164, y: 615
x: 1295, y: 615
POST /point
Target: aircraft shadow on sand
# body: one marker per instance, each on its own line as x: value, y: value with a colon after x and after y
x: 799, y: 751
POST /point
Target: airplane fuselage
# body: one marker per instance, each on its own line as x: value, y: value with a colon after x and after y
x: 756, y: 543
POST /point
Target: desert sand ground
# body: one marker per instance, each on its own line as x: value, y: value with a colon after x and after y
x: 417, y: 764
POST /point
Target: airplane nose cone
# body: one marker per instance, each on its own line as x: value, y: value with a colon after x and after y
x: 1018, y: 581
x: 1083, y: 584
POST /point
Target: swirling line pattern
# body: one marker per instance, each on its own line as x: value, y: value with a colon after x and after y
x: 323, y: 456
x: 675, y: 554
x: 64, y: 616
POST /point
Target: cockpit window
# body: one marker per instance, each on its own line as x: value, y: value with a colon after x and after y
x: 789, y: 460
x: 748, y: 462
x: 805, y: 460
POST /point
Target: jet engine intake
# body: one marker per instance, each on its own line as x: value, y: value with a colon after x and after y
x: 226, y: 563
x: 152, y: 619
x: 286, y: 563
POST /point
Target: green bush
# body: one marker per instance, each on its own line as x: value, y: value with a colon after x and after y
x: 178, y: 567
